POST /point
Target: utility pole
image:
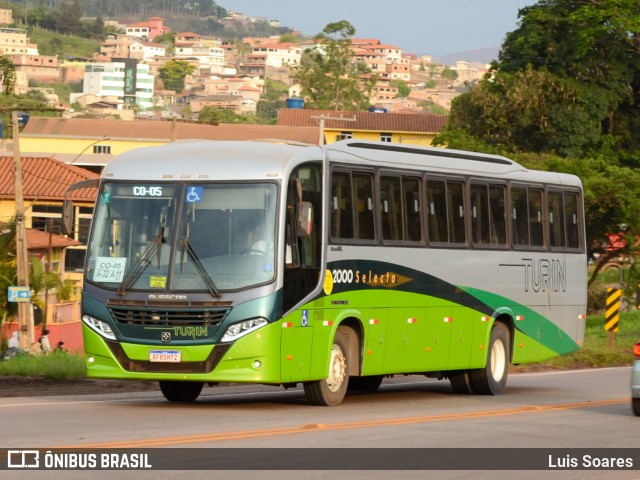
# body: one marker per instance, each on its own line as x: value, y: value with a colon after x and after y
x: 25, y: 309
x: 322, y: 118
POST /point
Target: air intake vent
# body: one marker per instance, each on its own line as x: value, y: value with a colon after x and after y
x: 169, y: 317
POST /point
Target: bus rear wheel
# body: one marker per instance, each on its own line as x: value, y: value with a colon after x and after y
x: 331, y: 390
x: 492, y: 379
x: 180, y: 391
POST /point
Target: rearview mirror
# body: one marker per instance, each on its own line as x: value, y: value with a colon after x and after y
x: 67, y: 217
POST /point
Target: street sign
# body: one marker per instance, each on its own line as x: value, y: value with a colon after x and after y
x: 612, y: 317
x: 18, y: 294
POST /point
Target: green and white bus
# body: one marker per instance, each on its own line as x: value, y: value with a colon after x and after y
x: 329, y: 266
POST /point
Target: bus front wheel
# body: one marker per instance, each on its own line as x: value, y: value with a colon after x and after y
x: 492, y: 379
x: 331, y: 390
x: 180, y: 391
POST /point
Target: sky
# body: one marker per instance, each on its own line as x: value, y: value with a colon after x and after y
x: 428, y: 27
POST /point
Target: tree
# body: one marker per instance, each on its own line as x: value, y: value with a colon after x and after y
x: 288, y: 37
x: 584, y: 60
x: 529, y: 110
x: 449, y: 74
x: 173, y: 74
x: 214, y: 115
x: 98, y: 27
x: 69, y: 18
x: 329, y: 77
x: 403, y: 89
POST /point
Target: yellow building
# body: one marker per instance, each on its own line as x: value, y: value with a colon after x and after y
x: 333, y: 126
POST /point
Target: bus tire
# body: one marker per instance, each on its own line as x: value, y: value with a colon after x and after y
x: 180, y: 391
x: 331, y: 390
x: 460, y: 382
x: 492, y: 379
x: 365, y: 384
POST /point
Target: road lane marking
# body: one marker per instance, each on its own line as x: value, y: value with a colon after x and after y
x: 305, y: 428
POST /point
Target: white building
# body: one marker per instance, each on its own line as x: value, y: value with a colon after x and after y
x: 131, y: 82
x: 279, y: 55
x: 145, y: 50
x: 208, y: 57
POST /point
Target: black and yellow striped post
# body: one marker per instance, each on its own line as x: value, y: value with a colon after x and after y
x: 612, y: 314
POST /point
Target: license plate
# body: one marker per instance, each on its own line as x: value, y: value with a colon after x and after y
x: 165, y: 356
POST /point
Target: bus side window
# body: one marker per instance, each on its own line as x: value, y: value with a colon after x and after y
x: 456, y: 209
x: 488, y: 226
x: 363, y: 189
x: 412, y: 211
x: 390, y: 208
x: 480, y: 226
x: 437, y: 211
x: 556, y: 219
x: 571, y: 219
x: 497, y: 213
x: 519, y: 216
x: 341, y: 206
x: 535, y: 217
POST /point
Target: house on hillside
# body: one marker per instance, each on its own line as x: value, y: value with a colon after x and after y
x: 148, y: 30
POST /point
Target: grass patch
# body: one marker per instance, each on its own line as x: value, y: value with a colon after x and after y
x: 59, y: 366
x: 597, y: 351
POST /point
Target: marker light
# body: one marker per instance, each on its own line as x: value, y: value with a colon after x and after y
x: 240, y: 329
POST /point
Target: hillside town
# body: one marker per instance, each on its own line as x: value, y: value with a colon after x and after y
x: 122, y: 78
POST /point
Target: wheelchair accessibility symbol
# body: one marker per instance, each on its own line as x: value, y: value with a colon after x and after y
x: 194, y: 194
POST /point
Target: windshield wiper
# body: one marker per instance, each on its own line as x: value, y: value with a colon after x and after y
x: 213, y: 290
x: 186, y: 246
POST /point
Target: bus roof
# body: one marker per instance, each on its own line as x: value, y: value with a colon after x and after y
x: 426, y: 157
x: 257, y: 160
x: 207, y: 160
x: 441, y: 160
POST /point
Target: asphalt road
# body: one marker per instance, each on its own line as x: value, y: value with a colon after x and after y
x: 584, y: 409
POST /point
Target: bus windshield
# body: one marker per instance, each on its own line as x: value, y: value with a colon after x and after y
x: 183, y: 237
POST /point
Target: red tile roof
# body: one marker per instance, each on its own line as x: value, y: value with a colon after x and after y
x: 149, y: 130
x: 379, y: 122
x: 44, y: 179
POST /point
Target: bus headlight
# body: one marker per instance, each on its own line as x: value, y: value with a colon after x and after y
x: 240, y: 329
x: 99, y: 326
